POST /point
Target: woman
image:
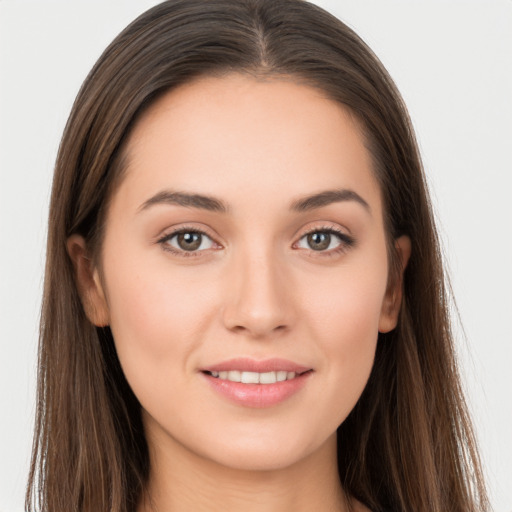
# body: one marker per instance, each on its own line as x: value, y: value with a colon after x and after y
x: 244, y: 303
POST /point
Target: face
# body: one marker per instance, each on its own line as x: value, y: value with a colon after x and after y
x: 244, y: 270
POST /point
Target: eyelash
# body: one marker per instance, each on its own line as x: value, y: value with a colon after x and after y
x: 186, y: 254
x: 346, y: 241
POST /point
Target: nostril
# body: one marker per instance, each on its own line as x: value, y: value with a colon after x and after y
x: 255, y: 314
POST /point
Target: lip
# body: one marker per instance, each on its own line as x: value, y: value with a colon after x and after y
x: 257, y: 395
x: 251, y: 365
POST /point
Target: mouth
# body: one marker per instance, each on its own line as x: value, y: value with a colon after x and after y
x: 246, y: 377
x: 257, y: 384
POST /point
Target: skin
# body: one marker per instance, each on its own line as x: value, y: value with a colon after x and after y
x: 255, y: 288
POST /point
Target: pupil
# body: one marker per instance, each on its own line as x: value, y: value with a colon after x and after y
x: 319, y: 241
x: 189, y: 241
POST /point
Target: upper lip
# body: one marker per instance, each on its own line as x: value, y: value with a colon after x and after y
x: 252, y: 365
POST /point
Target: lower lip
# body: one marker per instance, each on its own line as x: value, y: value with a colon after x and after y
x: 258, y: 395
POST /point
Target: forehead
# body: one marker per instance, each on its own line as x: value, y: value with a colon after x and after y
x: 271, y: 139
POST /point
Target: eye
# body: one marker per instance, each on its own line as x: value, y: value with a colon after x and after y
x: 325, y: 240
x: 187, y: 241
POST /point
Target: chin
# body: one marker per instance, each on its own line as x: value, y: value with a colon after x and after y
x: 260, y: 452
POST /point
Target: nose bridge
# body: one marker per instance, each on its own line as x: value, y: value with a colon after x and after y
x: 257, y: 298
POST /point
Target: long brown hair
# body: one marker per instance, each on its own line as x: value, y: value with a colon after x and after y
x: 408, y: 443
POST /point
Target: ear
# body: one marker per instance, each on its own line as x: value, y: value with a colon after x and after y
x: 88, y: 282
x: 393, y: 298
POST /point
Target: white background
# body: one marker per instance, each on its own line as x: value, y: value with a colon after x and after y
x: 452, y: 61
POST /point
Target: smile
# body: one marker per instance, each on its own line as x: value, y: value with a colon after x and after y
x: 257, y: 384
x: 254, y: 377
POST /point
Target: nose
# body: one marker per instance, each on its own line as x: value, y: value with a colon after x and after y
x: 258, y: 297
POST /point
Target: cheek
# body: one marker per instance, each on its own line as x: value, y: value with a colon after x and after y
x: 345, y: 319
x: 157, y: 318
x: 348, y: 303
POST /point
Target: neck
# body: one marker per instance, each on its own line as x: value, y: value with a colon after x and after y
x: 182, y: 481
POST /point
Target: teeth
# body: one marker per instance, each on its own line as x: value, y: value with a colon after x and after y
x: 268, y: 378
x: 234, y: 376
x: 250, y: 378
x: 254, y: 377
x: 281, y: 375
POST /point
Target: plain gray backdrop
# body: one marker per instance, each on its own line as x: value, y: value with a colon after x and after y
x: 452, y: 61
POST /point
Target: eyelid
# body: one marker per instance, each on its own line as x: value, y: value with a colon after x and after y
x: 169, y: 233
x: 313, y: 227
x: 346, y: 239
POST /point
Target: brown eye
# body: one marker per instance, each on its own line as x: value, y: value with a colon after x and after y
x: 189, y: 241
x: 327, y: 240
x: 319, y: 240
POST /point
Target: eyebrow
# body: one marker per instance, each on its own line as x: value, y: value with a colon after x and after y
x: 188, y: 200
x: 213, y: 204
x: 326, y: 198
